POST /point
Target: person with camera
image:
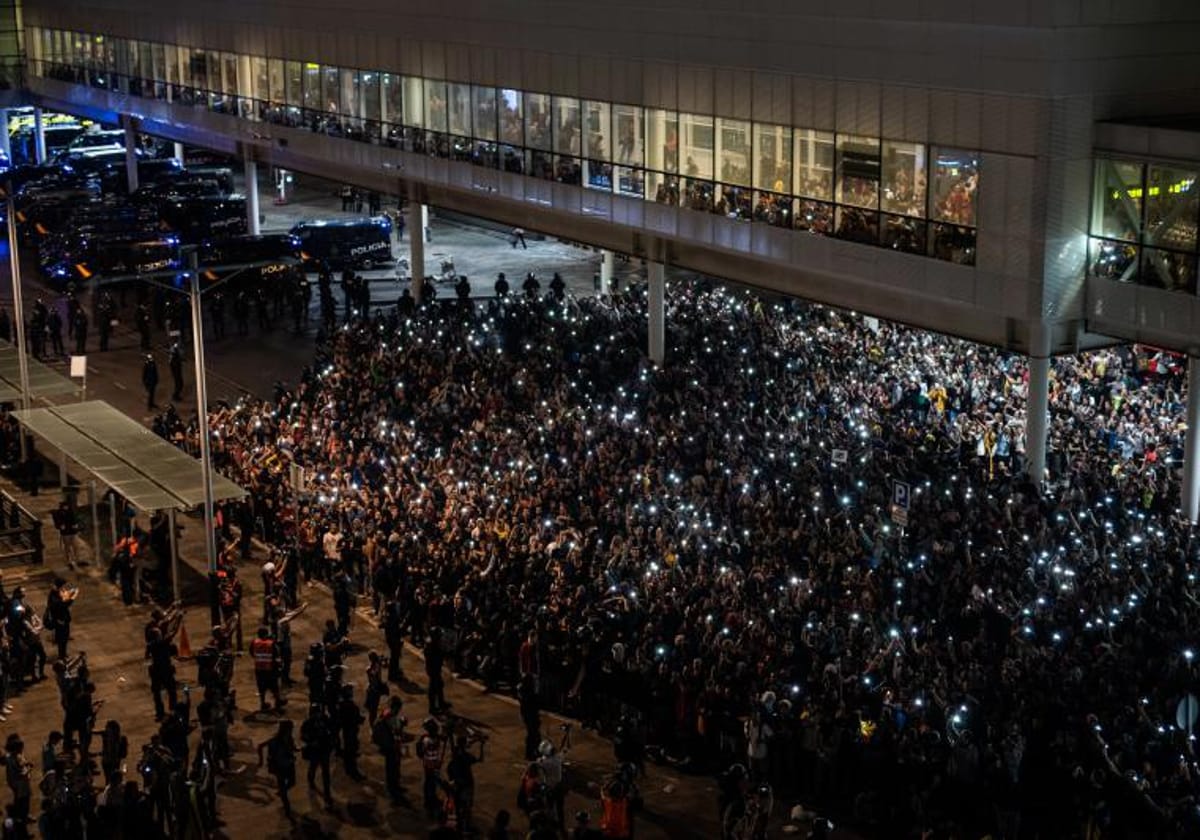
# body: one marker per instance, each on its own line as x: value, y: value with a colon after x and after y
x: 551, y: 762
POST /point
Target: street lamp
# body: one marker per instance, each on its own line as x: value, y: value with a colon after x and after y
x: 14, y: 262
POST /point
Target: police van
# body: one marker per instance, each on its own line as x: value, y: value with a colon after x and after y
x: 204, y: 217
x: 346, y: 243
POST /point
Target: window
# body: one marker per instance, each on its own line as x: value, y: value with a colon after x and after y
x: 391, y: 99
x: 1171, y: 207
x: 597, y: 144
x: 904, y: 176
x: 1110, y: 260
x: 955, y: 178
x: 198, y: 67
x: 512, y: 117
x: 331, y: 90
x: 262, y: 83
x: 566, y: 125
x: 414, y: 101
x: 368, y: 91
x: 458, y: 109
x: 295, y: 83
x: 312, y: 86
x: 1117, y: 200
x: 858, y: 225
x: 773, y: 158
x: 662, y: 140
x: 537, y: 121
x: 733, y: 152
x: 628, y: 133
x: 1170, y: 270
x: 697, y: 146
x: 814, y: 164
x: 483, y: 103
x: 349, y: 94
x: 858, y: 173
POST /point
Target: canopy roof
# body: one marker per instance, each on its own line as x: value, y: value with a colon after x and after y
x: 125, y: 455
x: 44, y: 381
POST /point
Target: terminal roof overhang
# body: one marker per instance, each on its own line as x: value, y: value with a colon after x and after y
x: 126, y: 456
x: 44, y: 381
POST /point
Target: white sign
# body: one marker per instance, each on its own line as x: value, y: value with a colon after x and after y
x: 840, y: 456
x: 900, y: 516
x: 79, y: 366
x: 900, y: 494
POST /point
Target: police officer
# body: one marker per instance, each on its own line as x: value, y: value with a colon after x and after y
x: 501, y: 286
x: 80, y: 330
x: 557, y: 286
x: 241, y: 312
x: 176, y: 372
x: 106, y: 311
x: 349, y: 720
x: 150, y: 380
x: 216, y: 308
x: 142, y: 319
x: 531, y: 286
x: 54, y: 325
x: 265, y: 654
x: 161, y: 652
x: 317, y: 747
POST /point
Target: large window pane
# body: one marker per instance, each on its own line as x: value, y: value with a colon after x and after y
x: 435, y: 105
x: 276, y: 91
x: 628, y: 133
x: 814, y: 216
x: 368, y: 92
x: 512, y: 117
x: 331, y: 90
x: 1117, y: 200
x: 1171, y: 207
x: 391, y: 105
x: 295, y: 84
x: 458, y: 109
x: 414, y: 101
x: 1169, y: 270
x: 1112, y: 260
x: 773, y: 160
x: 597, y: 130
x: 312, y: 86
x: 662, y: 140
x: 904, y: 233
x: 698, y: 144
x: 955, y: 181
x: 733, y: 152
x: 814, y: 164
x: 858, y: 176
x: 537, y: 121
x: 904, y: 180
x: 483, y: 102
x: 198, y: 69
x: 858, y: 225
x: 348, y: 88
x: 262, y: 82
x: 566, y: 125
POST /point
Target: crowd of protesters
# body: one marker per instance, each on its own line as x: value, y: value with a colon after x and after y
x: 700, y: 560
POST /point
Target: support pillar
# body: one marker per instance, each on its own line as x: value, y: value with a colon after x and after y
x: 39, y: 137
x: 252, y: 221
x: 174, y: 555
x: 1191, y: 444
x: 131, y: 161
x: 656, y: 311
x: 178, y: 155
x: 418, y: 214
x: 607, y: 258
x: 1037, y: 404
x: 95, y: 524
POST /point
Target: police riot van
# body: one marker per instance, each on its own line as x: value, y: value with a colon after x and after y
x: 346, y: 243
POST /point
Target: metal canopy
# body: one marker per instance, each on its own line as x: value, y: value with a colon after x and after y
x: 125, y: 455
x: 44, y: 381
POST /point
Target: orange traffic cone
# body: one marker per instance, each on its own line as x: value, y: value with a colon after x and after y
x: 185, y: 646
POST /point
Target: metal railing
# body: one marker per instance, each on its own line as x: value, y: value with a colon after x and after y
x: 20, y: 533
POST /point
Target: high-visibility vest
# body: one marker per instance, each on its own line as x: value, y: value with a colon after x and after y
x: 615, y: 819
x: 263, y: 652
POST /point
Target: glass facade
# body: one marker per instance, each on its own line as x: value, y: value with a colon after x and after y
x: 881, y: 191
x: 1144, y: 223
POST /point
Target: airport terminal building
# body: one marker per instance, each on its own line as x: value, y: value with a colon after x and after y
x: 1020, y: 174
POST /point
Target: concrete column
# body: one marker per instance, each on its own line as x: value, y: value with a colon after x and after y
x: 607, y: 259
x: 131, y: 169
x: 656, y: 311
x: 39, y: 137
x: 252, y: 225
x: 1037, y: 403
x: 5, y: 141
x: 179, y: 153
x: 418, y: 214
x: 1191, y: 444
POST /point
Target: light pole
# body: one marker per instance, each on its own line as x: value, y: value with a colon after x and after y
x: 14, y: 263
x: 210, y: 536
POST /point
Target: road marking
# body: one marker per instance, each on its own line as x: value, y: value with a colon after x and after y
x: 119, y: 385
